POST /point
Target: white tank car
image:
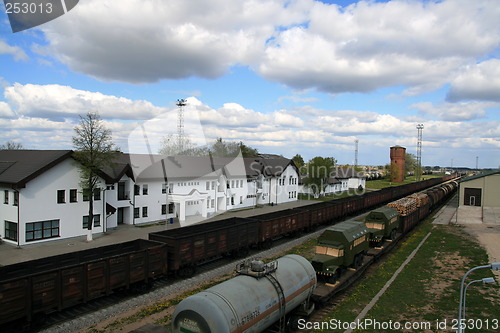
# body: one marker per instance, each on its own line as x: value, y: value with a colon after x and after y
x: 251, y: 302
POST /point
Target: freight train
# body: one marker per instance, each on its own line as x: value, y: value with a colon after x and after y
x: 283, y: 296
x: 31, y: 289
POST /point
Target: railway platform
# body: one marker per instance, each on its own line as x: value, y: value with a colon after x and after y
x: 11, y: 254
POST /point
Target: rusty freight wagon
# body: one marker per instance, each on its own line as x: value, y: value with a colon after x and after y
x: 324, y: 213
x: 198, y: 243
x: 277, y: 224
x: 32, y: 288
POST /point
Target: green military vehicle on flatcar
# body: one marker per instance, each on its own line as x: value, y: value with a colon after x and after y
x: 382, y: 223
x: 341, y: 246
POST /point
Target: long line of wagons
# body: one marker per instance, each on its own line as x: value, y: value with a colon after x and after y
x: 31, y: 289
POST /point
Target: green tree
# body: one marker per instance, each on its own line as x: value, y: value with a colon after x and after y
x: 319, y: 169
x: 247, y: 151
x: 94, y: 150
x: 410, y: 163
x: 298, y: 160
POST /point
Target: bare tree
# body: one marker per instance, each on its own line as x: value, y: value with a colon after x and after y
x: 11, y: 145
x: 94, y: 150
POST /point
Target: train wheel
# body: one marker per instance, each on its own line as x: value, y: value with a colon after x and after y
x: 266, y: 244
x: 187, y: 271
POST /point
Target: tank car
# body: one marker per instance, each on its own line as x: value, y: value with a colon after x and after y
x: 262, y: 295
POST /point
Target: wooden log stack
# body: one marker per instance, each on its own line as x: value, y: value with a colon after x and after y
x: 404, y: 206
x: 422, y: 199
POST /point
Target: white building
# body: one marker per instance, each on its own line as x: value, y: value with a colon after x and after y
x: 339, y: 181
x: 42, y: 198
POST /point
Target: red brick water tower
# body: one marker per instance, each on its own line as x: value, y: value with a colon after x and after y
x: 398, y: 156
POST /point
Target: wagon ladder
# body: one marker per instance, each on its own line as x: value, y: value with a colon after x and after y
x: 281, y: 299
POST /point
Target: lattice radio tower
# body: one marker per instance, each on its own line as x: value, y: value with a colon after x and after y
x: 181, y: 103
x: 420, y: 127
x: 356, y: 152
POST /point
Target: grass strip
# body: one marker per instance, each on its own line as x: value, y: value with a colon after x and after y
x: 427, y: 290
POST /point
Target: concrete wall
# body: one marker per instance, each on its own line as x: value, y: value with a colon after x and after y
x: 490, y: 194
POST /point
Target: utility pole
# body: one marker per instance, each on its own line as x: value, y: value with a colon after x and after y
x: 356, y: 152
x: 420, y: 127
x: 181, y: 103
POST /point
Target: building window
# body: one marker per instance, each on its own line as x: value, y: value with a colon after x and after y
x: 86, y: 194
x: 16, y: 198
x: 164, y: 188
x: 144, y: 211
x: 232, y: 201
x: 241, y: 200
x: 170, y: 188
x: 207, y: 187
x: 212, y: 203
x: 11, y: 230
x: 144, y: 189
x: 42, y: 230
x: 97, y: 221
x: 73, y: 195
x: 171, y: 208
x: 136, y: 213
x: 6, y: 197
x: 137, y: 190
x: 163, y: 209
x: 97, y: 194
x: 61, y: 196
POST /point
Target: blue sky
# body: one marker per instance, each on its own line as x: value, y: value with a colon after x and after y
x: 285, y: 77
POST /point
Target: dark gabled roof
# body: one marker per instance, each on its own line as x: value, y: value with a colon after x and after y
x: 191, y: 167
x: 119, y: 166
x: 481, y: 175
x: 333, y: 180
x: 17, y: 167
x: 276, y: 166
x: 172, y: 167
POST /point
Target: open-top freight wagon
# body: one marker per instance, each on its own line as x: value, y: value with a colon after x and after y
x: 189, y: 246
x: 32, y: 288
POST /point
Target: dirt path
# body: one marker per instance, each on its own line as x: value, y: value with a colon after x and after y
x: 488, y: 236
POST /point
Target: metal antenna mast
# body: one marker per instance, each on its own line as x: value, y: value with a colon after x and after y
x: 356, y: 152
x: 420, y: 127
x: 181, y: 103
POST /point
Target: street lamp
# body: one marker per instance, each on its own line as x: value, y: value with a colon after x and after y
x: 484, y: 281
x: 494, y: 266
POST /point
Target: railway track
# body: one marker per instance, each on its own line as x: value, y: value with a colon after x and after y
x: 88, y: 314
x: 82, y: 317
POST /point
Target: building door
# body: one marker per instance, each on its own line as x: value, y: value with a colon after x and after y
x: 472, y: 196
x: 120, y: 215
